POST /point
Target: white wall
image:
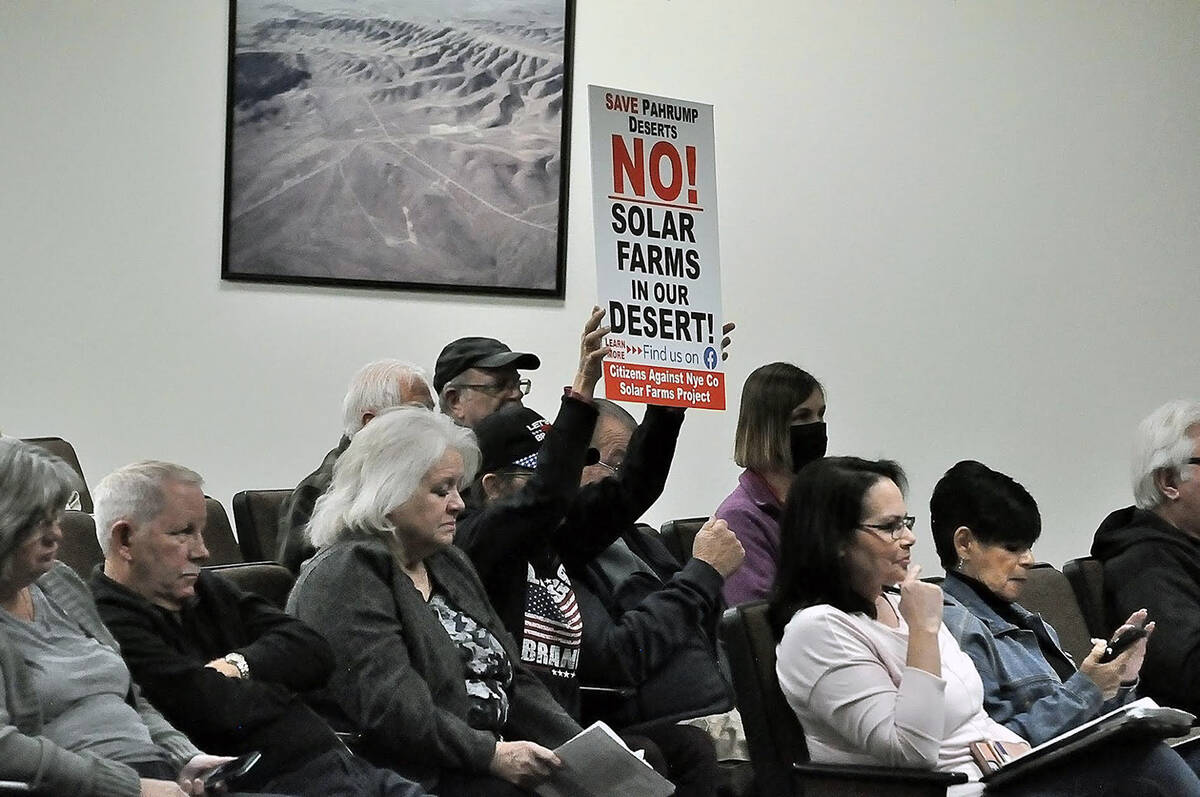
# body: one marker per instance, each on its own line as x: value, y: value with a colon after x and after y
x: 975, y: 222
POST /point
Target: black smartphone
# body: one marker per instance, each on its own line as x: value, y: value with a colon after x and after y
x: 1119, y: 645
x: 230, y: 770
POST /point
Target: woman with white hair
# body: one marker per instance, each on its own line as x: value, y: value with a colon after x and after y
x: 425, y: 670
x: 71, y: 719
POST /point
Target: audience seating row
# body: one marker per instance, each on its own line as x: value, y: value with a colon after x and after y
x: 1072, y: 601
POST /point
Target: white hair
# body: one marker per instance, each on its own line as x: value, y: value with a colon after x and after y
x: 379, y: 386
x: 382, y: 469
x: 135, y: 494
x: 1162, y: 442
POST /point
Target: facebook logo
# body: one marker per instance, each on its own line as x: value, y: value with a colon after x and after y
x: 710, y: 357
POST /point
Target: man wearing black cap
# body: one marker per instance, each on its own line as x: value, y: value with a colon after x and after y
x: 475, y: 377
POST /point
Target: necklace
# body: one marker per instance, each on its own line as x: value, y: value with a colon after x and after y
x: 22, y: 605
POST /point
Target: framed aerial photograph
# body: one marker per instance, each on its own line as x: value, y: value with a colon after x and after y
x: 407, y: 144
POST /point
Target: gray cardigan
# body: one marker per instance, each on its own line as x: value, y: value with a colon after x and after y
x: 26, y: 756
x: 399, y: 678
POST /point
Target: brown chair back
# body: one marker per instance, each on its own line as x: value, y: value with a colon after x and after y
x: 1049, y: 593
x: 79, y: 547
x: 218, y: 535
x: 256, y: 514
x: 66, y: 452
x: 1087, y: 579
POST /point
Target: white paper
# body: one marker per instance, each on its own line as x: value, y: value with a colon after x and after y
x: 596, y: 763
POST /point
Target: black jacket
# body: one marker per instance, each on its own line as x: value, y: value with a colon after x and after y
x: 651, y: 625
x: 1150, y: 564
x: 166, y: 653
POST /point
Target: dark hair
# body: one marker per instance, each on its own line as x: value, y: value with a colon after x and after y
x: 822, y: 511
x: 769, y: 396
x: 997, y: 509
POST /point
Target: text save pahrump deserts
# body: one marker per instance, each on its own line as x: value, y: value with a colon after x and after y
x: 658, y: 272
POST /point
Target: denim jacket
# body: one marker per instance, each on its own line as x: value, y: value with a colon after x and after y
x: 1021, y: 689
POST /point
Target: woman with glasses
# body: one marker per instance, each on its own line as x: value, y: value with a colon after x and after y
x: 780, y: 429
x: 864, y: 659
x: 71, y: 719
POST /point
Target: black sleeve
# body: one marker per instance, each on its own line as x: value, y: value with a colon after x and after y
x: 198, y: 699
x: 1171, y: 672
x: 603, y: 510
x: 624, y: 647
x: 285, y: 651
x: 508, y: 532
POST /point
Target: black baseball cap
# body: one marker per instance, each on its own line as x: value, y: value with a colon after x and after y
x: 464, y: 353
x: 512, y: 437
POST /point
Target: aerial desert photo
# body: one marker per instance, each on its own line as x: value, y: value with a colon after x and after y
x: 410, y: 141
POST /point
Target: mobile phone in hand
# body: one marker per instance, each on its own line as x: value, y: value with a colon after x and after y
x: 1119, y: 645
x: 230, y: 770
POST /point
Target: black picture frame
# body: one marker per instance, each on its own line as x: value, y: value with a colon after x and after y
x: 290, y: 215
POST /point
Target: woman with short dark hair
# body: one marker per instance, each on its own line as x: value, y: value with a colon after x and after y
x: 780, y: 429
x: 984, y: 525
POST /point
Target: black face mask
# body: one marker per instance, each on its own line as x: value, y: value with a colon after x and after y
x: 809, y: 441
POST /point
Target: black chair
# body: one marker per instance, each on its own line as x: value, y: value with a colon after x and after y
x: 79, y: 547
x: 1049, y: 593
x: 1087, y: 579
x: 256, y: 515
x: 678, y: 536
x: 269, y: 580
x: 778, y: 750
x: 66, y: 452
x: 218, y: 535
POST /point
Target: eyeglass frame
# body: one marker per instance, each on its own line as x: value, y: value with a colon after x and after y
x: 613, y: 469
x: 895, y: 529
x: 496, y: 388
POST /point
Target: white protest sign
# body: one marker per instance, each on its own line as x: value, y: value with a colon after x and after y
x: 658, y: 272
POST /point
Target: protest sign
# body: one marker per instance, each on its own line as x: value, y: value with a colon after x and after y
x: 658, y: 272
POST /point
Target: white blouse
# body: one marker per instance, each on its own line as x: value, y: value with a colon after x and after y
x: 845, y: 677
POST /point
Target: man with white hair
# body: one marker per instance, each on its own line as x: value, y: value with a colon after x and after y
x: 225, y: 666
x: 377, y: 386
x: 1151, y: 552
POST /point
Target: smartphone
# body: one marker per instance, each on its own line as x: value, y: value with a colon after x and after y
x: 1119, y: 645
x: 230, y: 770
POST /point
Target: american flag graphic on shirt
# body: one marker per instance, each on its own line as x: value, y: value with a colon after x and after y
x: 553, y: 624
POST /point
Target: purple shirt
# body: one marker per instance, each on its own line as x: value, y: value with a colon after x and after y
x: 752, y: 512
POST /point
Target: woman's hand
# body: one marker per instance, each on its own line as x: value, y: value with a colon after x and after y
x: 190, y: 777
x: 161, y: 788
x: 920, y: 603
x: 1125, y: 667
x: 592, y: 352
x: 523, y: 763
x: 1106, y: 677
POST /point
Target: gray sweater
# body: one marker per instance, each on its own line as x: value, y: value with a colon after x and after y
x: 26, y: 756
x: 399, y: 678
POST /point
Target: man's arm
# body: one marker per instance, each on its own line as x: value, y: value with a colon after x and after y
x: 284, y: 650
x: 198, y: 698
x: 603, y: 510
x: 627, y: 647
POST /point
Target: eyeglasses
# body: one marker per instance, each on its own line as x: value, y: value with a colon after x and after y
x: 497, y: 388
x: 74, y: 501
x: 896, y: 528
x: 613, y: 469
